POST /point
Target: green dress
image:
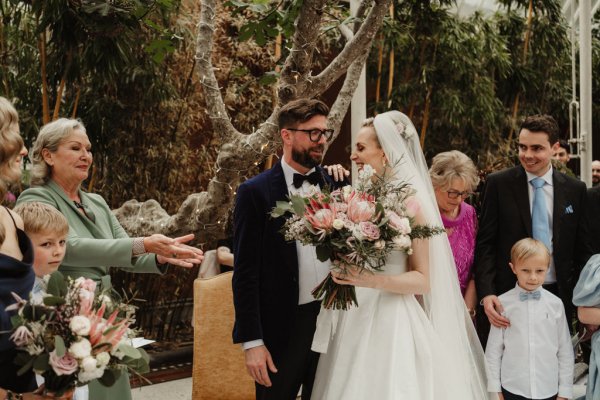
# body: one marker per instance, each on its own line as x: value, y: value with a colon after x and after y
x: 91, y: 248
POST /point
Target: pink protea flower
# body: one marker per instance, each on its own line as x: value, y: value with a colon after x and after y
x: 106, y: 332
x: 319, y: 213
x: 22, y: 336
x: 360, y: 208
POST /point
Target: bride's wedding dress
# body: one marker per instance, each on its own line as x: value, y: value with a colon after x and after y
x: 393, y: 346
x: 386, y: 348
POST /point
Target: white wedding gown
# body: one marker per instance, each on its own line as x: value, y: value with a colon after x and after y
x: 386, y: 349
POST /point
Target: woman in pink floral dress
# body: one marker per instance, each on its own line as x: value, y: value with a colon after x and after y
x: 454, y: 177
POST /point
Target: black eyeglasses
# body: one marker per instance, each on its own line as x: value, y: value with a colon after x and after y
x: 315, y: 134
x: 453, y: 194
x: 86, y: 211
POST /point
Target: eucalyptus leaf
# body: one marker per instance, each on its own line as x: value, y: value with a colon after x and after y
x: 54, y: 301
x: 299, y: 204
x: 323, y: 253
x: 42, y: 363
x: 130, y: 351
x: 59, y: 346
x: 110, y: 377
x: 56, y: 285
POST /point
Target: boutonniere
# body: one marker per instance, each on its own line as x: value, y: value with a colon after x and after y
x: 569, y: 209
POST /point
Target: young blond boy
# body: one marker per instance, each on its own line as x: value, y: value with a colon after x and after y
x: 533, y: 357
x: 47, y: 229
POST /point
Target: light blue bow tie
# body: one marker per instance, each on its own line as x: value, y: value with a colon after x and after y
x: 530, y: 295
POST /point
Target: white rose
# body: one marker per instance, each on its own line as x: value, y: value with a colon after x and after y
x: 80, y: 325
x: 89, y: 364
x: 106, y: 300
x: 357, y: 233
x: 85, y: 376
x: 103, y: 358
x: 81, y: 349
x: 379, y: 245
x: 338, y: 224
x: 405, y: 226
x: 402, y: 241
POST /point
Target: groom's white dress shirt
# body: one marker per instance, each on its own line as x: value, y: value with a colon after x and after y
x: 311, y: 271
x: 533, y: 357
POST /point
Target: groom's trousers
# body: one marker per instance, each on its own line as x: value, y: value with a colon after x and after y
x: 298, y: 364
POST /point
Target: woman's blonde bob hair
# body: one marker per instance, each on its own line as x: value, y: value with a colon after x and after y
x: 451, y: 165
x: 50, y: 137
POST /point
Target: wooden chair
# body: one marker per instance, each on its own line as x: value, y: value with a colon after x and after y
x: 219, y: 368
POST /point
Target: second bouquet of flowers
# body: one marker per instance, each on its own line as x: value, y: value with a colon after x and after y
x: 355, y: 227
x: 75, y: 335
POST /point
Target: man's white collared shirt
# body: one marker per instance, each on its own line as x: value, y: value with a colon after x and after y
x: 311, y: 271
x: 533, y: 357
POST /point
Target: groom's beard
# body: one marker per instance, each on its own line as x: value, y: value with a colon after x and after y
x: 305, y: 159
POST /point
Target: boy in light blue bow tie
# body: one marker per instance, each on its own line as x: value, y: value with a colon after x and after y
x: 531, y: 359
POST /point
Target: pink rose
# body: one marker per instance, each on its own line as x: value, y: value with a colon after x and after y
x: 369, y: 230
x: 65, y: 365
x: 401, y: 224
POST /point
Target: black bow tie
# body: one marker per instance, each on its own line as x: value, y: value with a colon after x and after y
x: 314, y: 178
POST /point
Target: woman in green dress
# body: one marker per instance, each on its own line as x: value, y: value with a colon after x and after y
x: 61, y: 161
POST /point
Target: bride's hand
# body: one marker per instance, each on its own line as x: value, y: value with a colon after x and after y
x: 355, y: 277
x: 338, y: 172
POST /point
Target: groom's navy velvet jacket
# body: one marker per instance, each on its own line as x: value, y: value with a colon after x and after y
x: 265, y: 278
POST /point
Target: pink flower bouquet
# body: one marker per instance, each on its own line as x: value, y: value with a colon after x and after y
x: 76, y: 335
x: 354, y: 227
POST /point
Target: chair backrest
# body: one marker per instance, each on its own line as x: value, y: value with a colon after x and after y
x: 219, y: 367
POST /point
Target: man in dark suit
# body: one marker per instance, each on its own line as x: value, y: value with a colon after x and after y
x: 506, y: 217
x: 273, y: 279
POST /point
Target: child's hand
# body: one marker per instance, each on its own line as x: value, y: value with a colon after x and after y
x: 500, y: 396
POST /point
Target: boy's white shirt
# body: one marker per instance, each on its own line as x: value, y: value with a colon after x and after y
x: 527, y: 357
x: 38, y: 292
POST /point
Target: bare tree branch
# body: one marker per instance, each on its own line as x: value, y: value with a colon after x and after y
x: 214, y: 100
x: 344, y: 98
x: 295, y: 75
x: 363, y: 38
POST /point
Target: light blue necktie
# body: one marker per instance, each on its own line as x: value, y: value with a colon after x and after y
x: 524, y: 296
x: 539, y: 214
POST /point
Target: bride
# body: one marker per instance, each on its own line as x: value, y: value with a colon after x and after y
x: 411, y: 336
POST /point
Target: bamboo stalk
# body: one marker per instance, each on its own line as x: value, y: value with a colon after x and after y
x: 515, y: 110
x: 425, y: 122
x: 45, y: 101
x: 379, y: 67
x: 76, y: 103
x: 59, y: 93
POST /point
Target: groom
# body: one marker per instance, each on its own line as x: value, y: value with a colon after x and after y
x: 275, y: 313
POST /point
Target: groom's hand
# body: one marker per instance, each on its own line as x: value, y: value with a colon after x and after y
x: 493, y: 309
x: 257, y: 360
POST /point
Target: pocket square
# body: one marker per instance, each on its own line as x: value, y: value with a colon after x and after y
x: 569, y: 209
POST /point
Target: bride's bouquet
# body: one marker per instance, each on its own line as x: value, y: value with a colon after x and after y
x: 75, y: 335
x: 355, y: 227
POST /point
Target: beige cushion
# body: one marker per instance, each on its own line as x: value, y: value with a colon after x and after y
x: 219, y: 368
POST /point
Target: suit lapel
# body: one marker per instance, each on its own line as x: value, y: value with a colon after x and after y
x: 279, y: 191
x: 90, y: 226
x: 521, y: 195
x: 558, y: 185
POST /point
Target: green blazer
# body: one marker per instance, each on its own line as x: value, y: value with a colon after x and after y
x: 91, y: 247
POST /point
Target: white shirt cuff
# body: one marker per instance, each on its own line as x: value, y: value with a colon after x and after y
x: 565, y: 391
x: 494, y: 386
x: 252, y: 343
